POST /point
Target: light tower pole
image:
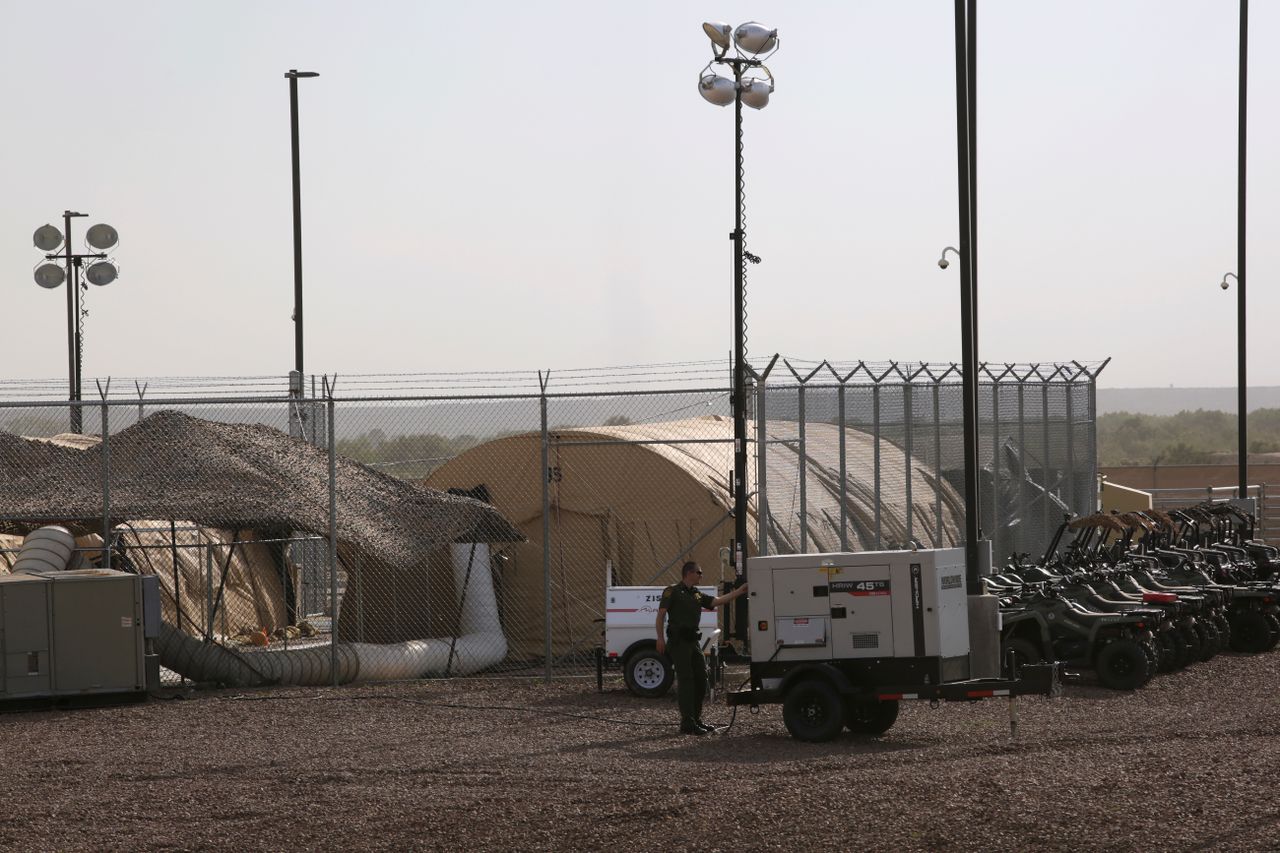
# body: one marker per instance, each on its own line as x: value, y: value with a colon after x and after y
x: 752, y: 84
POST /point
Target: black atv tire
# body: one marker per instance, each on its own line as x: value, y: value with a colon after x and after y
x: 812, y: 711
x: 1210, y: 642
x: 1223, y: 624
x: 1122, y: 665
x: 1250, y: 632
x: 1152, y: 649
x: 1274, y: 622
x: 1168, y: 652
x: 870, y: 717
x: 1016, y: 651
x: 1191, y: 639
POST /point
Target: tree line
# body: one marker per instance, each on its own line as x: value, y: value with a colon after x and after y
x: 1187, y: 438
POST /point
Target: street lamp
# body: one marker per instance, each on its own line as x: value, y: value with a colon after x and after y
x: 295, y: 379
x: 50, y: 275
x: 752, y: 84
x: 943, y: 263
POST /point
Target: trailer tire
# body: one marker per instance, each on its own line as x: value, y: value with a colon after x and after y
x: 1122, y: 665
x: 648, y: 673
x: 812, y: 711
x: 869, y: 716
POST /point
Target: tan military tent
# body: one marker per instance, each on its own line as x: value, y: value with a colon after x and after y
x: 642, y: 498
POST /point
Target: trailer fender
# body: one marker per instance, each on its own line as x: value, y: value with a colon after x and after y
x: 823, y: 671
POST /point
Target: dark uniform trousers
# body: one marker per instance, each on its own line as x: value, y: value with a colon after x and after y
x: 691, y: 677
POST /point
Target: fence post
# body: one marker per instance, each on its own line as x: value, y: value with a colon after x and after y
x: 875, y: 444
x: 844, y: 466
x: 142, y: 392
x: 937, y: 462
x: 1024, y: 501
x: 804, y: 455
x: 106, y: 475
x: 1093, y: 429
x: 546, y: 522
x: 333, y: 530
x: 908, y: 415
x: 208, y: 591
x: 762, y: 468
x: 1069, y: 388
x: 1044, y: 460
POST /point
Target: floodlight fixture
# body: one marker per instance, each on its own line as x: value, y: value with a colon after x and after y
x: 755, y: 38
x: 1224, y: 284
x: 943, y: 263
x: 756, y: 90
x: 47, y: 238
x: 101, y: 273
x: 720, y: 33
x: 102, y: 236
x: 50, y: 276
x: 716, y: 89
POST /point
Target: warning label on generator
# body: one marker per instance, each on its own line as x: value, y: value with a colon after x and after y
x: 861, y: 587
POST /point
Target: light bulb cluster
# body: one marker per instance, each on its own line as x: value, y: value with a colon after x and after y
x: 102, y: 271
x: 751, y: 42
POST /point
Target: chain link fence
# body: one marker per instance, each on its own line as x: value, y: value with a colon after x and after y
x: 285, y: 561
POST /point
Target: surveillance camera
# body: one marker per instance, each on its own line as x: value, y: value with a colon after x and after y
x: 943, y: 264
x: 1225, y: 284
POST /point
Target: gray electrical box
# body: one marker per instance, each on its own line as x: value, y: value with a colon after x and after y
x: 876, y: 606
x: 71, y: 633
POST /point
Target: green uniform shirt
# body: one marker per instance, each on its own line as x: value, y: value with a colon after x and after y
x: 684, y: 606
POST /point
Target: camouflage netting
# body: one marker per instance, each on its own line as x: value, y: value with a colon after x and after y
x: 233, y: 476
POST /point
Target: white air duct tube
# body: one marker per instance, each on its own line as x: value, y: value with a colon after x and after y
x: 47, y: 549
x: 480, y: 644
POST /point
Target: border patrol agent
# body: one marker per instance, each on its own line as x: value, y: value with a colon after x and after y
x: 681, y: 607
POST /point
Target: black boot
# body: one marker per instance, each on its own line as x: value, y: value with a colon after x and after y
x: 691, y: 727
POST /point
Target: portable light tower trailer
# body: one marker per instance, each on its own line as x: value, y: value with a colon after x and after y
x: 839, y: 639
x: 630, y: 640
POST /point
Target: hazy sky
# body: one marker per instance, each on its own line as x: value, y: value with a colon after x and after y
x: 520, y: 185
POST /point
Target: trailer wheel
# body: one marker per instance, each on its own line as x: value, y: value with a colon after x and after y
x: 869, y: 716
x: 648, y: 673
x: 1122, y: 665
x: 812, y: 711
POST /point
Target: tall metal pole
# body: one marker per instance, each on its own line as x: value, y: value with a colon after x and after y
x: 73, y: 322
x: 739, y: 343
x: 297, y: 223
x: 1242, y: 403
x: 72, y: 379
x: 972, y: 79
x: 74, y: 281
x: 969, y: 368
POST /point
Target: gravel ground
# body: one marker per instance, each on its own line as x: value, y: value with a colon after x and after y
x: 1187, y: 763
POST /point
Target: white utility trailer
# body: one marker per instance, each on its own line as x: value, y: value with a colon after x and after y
x: 630, y: 640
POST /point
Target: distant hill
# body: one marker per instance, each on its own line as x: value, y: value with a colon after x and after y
x: 1170, y: 401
